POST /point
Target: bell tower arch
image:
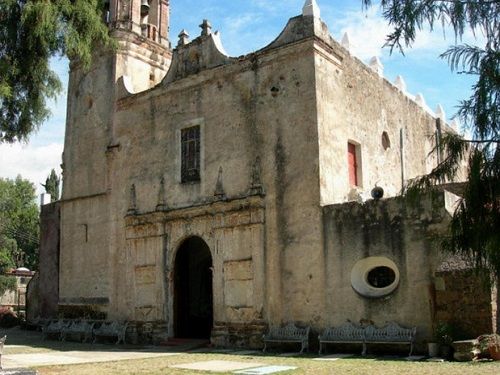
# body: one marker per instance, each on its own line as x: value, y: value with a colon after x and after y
x: 148, y: 18
x: 141, y: 28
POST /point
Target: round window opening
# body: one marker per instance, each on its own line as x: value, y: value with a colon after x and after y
x: 381, y: 277
x: 375, y: 277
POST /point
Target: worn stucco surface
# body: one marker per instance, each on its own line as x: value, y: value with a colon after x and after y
x: 284, y: 115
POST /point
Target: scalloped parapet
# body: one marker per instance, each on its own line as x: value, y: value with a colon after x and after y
x: 455, y: 125
x: 311, y: 8
x: 420, y: 100
x: 204, y: 52
x: 299, y: 28
x: 346, y: 43
x: 400, y: 83
x: 124, y: 87
x: 440, y: 113
x: 377, y: 66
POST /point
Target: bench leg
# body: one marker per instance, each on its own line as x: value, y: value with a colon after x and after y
x: 303, y: 346
x: 265, y: 346
x: 411, y: 349
x: 363, y: 353
x: 320, y: 348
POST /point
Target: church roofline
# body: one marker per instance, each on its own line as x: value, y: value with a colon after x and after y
x: 207, y: 51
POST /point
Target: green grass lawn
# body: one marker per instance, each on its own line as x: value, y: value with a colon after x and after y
x: 19, y: 342
x: 305, y: 366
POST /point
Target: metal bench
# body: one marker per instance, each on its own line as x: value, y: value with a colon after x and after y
x: 2, y: 342
x: 38, y: 323
x: 111, y: 329
x: 288, y: 333
x: 54, y: 327
x: 391, y: 333
x: 81, y: 328
x: 347, y: 333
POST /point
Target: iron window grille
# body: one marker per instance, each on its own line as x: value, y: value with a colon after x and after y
x: 190, y: 154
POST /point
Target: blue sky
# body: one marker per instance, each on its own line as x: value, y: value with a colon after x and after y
x: 248, y: 25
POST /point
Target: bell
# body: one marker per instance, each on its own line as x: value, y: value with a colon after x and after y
x: 144, y: 7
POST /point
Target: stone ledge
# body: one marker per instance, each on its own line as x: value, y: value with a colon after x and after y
x: 223, y: 214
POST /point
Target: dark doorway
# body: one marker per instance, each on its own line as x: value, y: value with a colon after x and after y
x: 193, y: 303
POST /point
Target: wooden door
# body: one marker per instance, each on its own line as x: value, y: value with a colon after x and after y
x: 352, y: 164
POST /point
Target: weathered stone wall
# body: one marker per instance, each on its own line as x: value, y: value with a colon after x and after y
x: 283, y: 114
x: 88, y: 261
x: 357, y: 105
x: 33, y: 299
x: 387, y: 228
x: 258, y: 109
x: 49, y: 250
x: 233, y: 230
x: 466, y: 302
x: 85, y: 267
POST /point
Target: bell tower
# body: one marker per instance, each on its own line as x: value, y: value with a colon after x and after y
x: 148, y: 18
x: 141, y: 29
x: 90, y: 192
x: 142, y: 54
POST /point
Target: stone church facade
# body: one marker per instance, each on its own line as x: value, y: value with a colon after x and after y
x: 213, y: 196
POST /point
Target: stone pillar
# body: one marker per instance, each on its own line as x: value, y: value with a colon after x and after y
x: 49, y: 259
x: 164, y: 21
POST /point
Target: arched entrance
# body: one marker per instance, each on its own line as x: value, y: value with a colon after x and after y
x: 193, y: 298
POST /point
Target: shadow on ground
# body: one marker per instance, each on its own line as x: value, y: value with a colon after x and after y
x: 23, y: 341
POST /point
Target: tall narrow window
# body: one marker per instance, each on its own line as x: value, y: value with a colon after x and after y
x: 190, y: 154
x: 352, y: 164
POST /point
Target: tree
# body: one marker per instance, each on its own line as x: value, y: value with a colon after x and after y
x: 52, y: 185
x: 19, y: 224
x: 31, y: 32
x: 475, y: 225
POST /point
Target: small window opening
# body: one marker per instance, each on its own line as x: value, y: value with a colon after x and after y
x: 85, y: 228
x: 386, y: 142
x: 353, y: 164
x: 190, y: 154
x: 381, y: 277
x: 106, y: 14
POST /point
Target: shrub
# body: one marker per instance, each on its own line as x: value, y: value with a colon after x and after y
x: 7, y: 283
x: 8, y: 318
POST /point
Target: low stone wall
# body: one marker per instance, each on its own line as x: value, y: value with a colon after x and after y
x: 464, y: 300
x: 243, y: 335
x: 389, y: 233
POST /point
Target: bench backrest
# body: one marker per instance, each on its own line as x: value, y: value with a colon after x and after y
x: 290, y: 331
x: 80, y: 325
x: 113, y: 327
x: 346, y: 332
x: 390, y: 332
x: 58, y: 324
